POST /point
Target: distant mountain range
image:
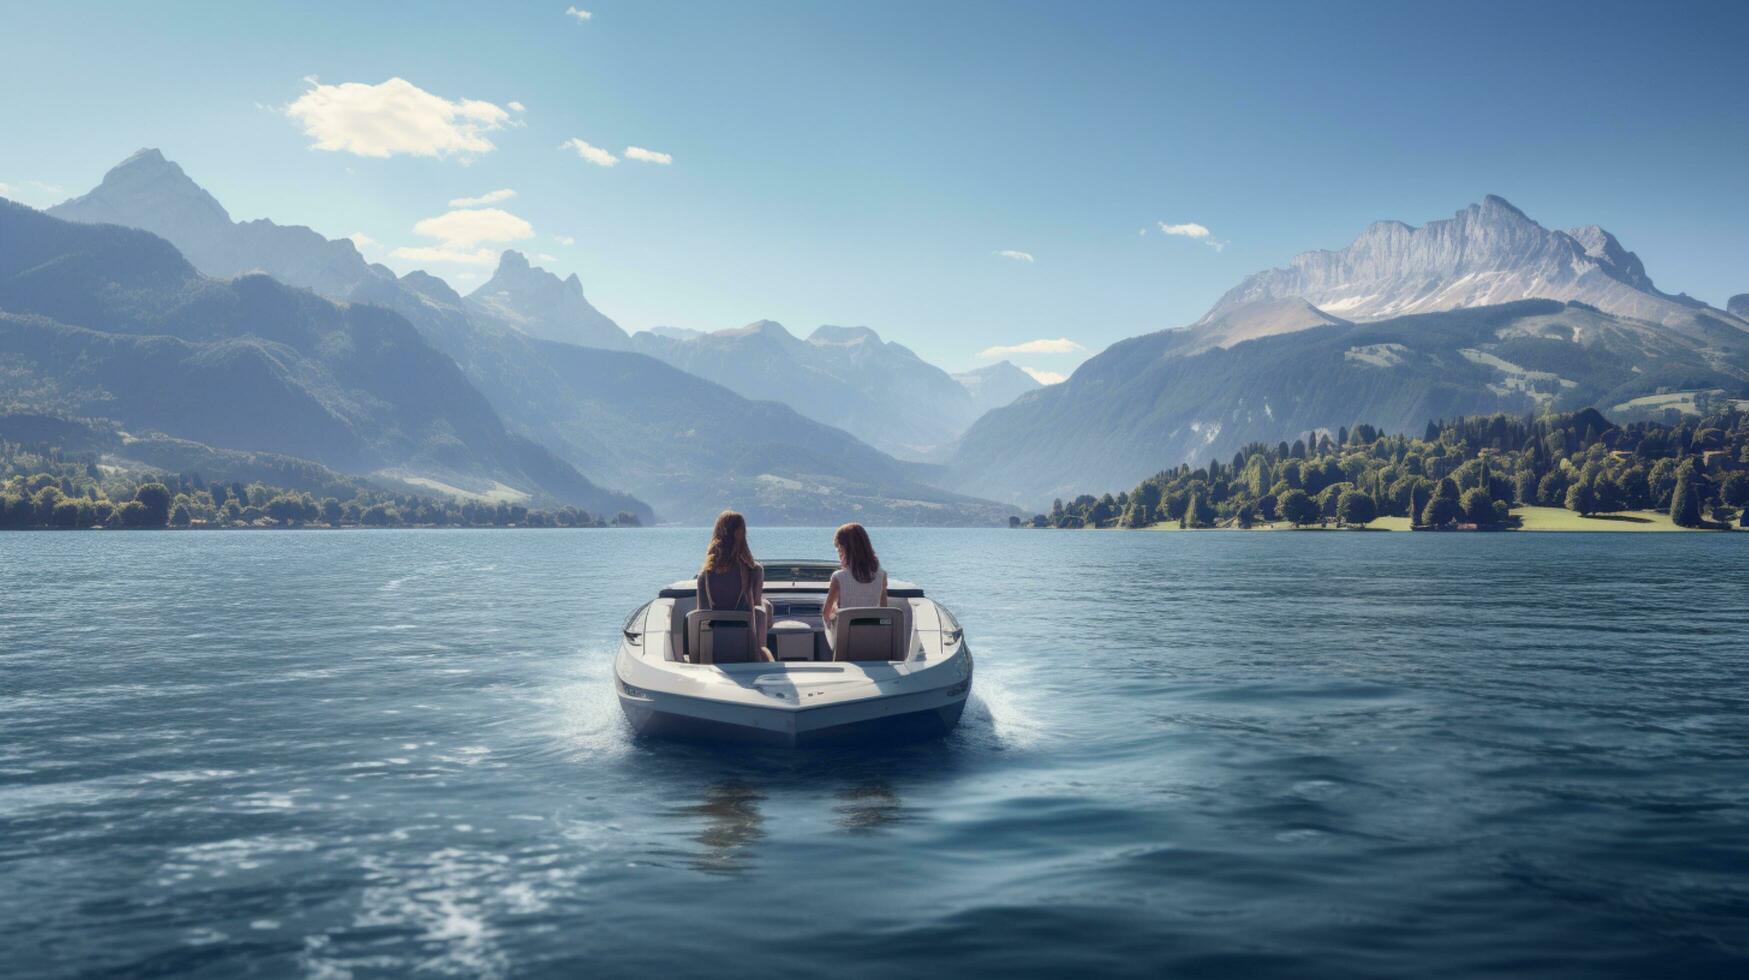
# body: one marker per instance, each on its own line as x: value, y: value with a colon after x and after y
x: 996, y: 385
x: 111, y: 322
x: 847, y: 377
x: 525, y: 385
x: 1487, y: 311
x: 688, y: 446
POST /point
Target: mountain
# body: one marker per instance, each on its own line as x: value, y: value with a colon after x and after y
x: 112, y: 322
x: 847, y: 377
x: 1487, y: 311
x: 1137, y: 408
x: 996, y: 385
x: 688, y: 446
x: 149, y: 192
x: 1486, y: 254
x: 1739, y: 305
x: 541, y: 305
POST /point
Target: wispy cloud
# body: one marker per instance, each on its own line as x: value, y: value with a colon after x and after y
x: 565, y: 240
x: 1061, y: 345
x: 1191, y: 229
x: 26, y: 191
x: 1046, y: 377
x: 593, y: 154
x: 490, y: 197
x: 463, y: 236
x: 544, y: 257
x: 1015, y: 254
x: 648, y: 156
x: 394, y: 117
x: 516, y: 107
x: 363, y: 241
x: 578, y: 14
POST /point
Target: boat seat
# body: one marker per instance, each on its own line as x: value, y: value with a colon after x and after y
x: 720, y: 637
x: 870, y: 633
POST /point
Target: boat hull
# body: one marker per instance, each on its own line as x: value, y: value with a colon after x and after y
x: 911, y: 717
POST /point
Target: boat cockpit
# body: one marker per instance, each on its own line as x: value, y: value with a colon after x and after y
x: 796, y: 591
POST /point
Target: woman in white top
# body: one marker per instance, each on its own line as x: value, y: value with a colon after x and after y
x: 859, y: 583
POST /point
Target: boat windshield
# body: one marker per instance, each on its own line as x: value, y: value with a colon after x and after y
x: 799, y: 571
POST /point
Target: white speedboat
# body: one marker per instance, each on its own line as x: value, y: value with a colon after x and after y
x: 896, y: 672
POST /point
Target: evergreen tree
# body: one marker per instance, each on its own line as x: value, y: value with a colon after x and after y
x: 1524, y: 488
x: 1581, y: 499
x: 1685, y: 502
x: 1444, y: 506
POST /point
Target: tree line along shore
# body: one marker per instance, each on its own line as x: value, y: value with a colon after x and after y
x: 40, y: 488
x: 1570, y: 471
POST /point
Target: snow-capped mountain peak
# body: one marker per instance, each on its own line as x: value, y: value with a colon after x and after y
x: 1488, y: 253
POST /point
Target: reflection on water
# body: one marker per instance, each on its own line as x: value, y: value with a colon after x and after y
x: 867, y: 808
x: 732, y: 824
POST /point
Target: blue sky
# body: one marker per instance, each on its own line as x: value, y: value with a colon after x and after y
x: 868, y: 164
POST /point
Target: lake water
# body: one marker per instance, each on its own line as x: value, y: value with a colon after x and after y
x: 1290, y: 755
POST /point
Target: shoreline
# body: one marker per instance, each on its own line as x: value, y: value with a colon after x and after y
x: 1532, y: 520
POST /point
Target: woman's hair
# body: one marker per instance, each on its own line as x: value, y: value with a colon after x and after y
x: 859, y: 553
x: 728, y: 544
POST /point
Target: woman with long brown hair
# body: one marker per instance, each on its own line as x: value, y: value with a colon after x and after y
x: 859, y: 582
x: 731, y: 580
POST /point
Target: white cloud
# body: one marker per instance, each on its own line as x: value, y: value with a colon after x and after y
x: 593, y: 154
x: 516, y: 107
x: 470, y: 226
x: 582, y: 16
x: 1018, y: 256
x: 490, y: 197
x: 462, y: 237
x: 363, y: 241
x: 1061, y: 345
x: 544, y: 257
x: 1191, y: 229
x: 446, y: 255
x: 648, y: 156
x: 1046, y: 377
x: 565, y: 240
x: 394, y: 117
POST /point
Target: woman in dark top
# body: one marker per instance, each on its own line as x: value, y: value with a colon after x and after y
x: 731, y: 580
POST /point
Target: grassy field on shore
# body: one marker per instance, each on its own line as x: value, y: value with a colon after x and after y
x: 1561, y: 519
x: 1531, y: 519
